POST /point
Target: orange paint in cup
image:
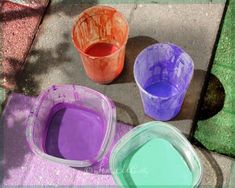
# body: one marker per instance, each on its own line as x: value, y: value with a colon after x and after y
x: 100, y: 35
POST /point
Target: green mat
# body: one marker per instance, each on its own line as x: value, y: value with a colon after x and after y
x: 218, y: 132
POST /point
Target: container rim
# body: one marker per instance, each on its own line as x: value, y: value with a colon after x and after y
x: 107, y: 140
x: 79, y: 19
x: 149, y: 127
x: 160, y: 97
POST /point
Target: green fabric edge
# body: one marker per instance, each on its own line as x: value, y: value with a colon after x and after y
x: 218, y: 132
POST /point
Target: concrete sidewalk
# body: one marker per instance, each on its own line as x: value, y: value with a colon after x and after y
x: 54, y: 60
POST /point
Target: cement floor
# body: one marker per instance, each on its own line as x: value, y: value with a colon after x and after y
x: 54, y: 60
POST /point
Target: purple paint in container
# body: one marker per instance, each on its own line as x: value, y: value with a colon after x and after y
x: 163, y: 73
x: 70, y: 123
x: 73, y: 125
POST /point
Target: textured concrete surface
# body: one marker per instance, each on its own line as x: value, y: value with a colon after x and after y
x: 18, y: 27
x: 232, y: 176
x: 54, y: 60
x: 216, y: 168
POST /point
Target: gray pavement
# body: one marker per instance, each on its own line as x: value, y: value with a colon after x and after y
x: 216, y: 169
x: 54, y: 60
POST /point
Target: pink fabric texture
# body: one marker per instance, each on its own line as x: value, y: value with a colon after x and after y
x: 22, y: 167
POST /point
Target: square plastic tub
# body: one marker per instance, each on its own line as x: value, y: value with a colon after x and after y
x: 140, y: 135
x: 53, y: 100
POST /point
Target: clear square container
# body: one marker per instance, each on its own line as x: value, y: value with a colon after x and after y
x: 51, y: 100
x: 140, y: 135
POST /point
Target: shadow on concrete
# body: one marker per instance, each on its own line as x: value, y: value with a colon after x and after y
x: 72, y: 7
x: 134, y: 46
x: 213, y: 101
x: 8, y: 79
x: 126, y: 109
x: 20, y: 14
x: 41, y: 62
x: 192, y: 96
x: 57, y: 8
x: 216, y: 168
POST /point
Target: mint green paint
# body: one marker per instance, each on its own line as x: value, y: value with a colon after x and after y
x: 156, y: 163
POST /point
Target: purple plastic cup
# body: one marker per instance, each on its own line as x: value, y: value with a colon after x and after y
x: 72, y: 125
x: 163, y: 73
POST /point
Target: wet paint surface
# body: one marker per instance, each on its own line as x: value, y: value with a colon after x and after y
x: 99, y: 25
x: 161, y: 89
x: 101, y: 49
x: 74, y: 133
x: 156, y: 163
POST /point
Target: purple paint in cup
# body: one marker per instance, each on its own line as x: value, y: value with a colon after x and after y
x: 163, y: 73
x: 72, y: 125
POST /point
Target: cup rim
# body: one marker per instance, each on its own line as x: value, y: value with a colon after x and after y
x: 106, y: 143
x: 160, y: 97
x: 140, y: 130
x: 81, y: 15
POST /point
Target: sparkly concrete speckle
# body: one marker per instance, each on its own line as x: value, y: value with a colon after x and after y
x: 19, y: 25
x: 216, y: 168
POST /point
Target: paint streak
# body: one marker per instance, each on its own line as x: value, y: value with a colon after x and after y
x: 101, y: 24
x: 162, y: 89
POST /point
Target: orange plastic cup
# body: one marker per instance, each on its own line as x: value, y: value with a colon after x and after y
x: 100, y: 35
